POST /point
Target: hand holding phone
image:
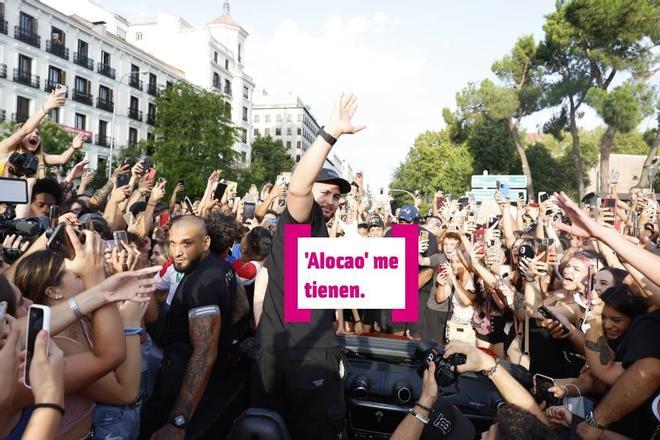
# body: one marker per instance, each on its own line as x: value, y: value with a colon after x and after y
x: 548, y: 314
x: 38, y: 319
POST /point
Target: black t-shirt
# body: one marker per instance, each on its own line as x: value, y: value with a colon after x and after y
x: 273, y: 331
x: 211, y: 283
x: 640, y: 341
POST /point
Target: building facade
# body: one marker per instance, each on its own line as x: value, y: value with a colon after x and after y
x: 212, y: 58
x: 106, y: 76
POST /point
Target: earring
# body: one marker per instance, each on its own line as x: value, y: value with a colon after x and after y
x: 59, y: 297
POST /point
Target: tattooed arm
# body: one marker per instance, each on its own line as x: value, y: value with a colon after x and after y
x: 204, y: 328
x: 598, y: 353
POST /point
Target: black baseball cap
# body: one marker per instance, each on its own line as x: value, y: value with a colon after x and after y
x: 376, y: 222
x: 446, y: 422
x: 328, y: 175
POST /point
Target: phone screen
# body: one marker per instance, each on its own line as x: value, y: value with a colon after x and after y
x: 541, y: 386
x: 220, y: 190
x: 37, y: 320
x: 54, y: 215
x: 189, y: 205
x: 123, y: 179
x: 543, y: 197
x: 248, y: 210
x: 60, y: 243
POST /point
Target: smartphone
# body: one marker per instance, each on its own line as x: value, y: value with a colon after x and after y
x: 38, y: 319
x: 423, y: 235
x: 614, y: 176
x: 548, y: 314
x: 541, y: 386
x: 3, y: 315
x: 110, y: 245
x: 129, y: 218
x: 126, y: 162
x: 150, y: 175
x: 220, y: 190
x: 147, y: 163
x: 189, y: 205
x: 120, y: 236
x: 526, y: 251
x: 478, y: 235
x: 543, y: 196
x: 439, y: 202
x: 231, y: 186
x: 60, y: 243
x: 163, y: 219
x: 503, y: 188
x: 248, y: 210
x: 53, y: 215
x: 61, y: 88
x: 123, y: 179
x: 608, y: 202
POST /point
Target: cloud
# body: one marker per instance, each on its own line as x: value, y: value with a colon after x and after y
x: 355, y: 54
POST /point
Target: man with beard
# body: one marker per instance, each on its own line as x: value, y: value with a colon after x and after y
x: 198, y: 334
x: 298, y: 368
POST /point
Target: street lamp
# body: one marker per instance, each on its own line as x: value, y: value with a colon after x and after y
x: 114, y: 112
x: 414, y: 197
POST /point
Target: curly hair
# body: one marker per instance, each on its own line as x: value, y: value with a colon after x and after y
x: 514, y: 423
x: 258, y: 242
x: 223, y: 230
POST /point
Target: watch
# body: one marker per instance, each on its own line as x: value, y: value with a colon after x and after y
x: 591, y: 421
x: 178, y: 420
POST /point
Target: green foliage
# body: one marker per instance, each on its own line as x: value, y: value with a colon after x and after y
x: 433, y: 163
x: 491, y: 147
x: 623, y: 107
x: 269, y: 158
x: 193, y: 132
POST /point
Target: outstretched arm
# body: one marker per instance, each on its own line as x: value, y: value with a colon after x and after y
x: 299, y: 198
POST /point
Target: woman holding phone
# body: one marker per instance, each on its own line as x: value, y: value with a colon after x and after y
x: 27, y: 139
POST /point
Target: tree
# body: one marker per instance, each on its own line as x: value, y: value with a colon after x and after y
x: 434, y: 163
x: 652, y: 138
x: 622, y: 109
x: 269, y: 158
x: 193, y: 132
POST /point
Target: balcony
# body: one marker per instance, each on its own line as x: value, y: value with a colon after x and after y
x: 135, y: 114
x: 105, y: 104
x: 151, y: 118
x: 19, y: 118
x: 152, y: 89
x: 3, y: 115
x: 134, y: 82
x: 217, y: 85
x: 3, y: 71
x: 103, y: 140
x: 50, y: 86
x: 4, y: 28
x: 105, y: 69
x: 26, y: 36
x: 83, y: 60
x: 26, y: 78
x: 82, y: 97
x: 57, y: 49
x: 227, y: 91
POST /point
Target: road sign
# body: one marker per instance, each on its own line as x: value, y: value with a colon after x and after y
x: 484, y: 195
x: 481, y: 181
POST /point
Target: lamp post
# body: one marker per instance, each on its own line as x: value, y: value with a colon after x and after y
x: 414, y: 197
x: 114, y: 112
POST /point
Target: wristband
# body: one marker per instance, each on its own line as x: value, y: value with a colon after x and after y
x: 75, y: 308
x: 132, y: 331
x: 418, y: 416
x: 54, y: 406
x: 327, y: 137
x: 359, y: 321
x: 489, y: 373
x: 423, y: 407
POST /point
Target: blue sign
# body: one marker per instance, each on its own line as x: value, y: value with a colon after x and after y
x: 481, y: 181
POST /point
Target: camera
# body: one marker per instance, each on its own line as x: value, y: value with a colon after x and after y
x: 23, y: 164
x: 445, y: 369
x: 28, y: 228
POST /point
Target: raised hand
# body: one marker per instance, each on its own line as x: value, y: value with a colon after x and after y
x: 77, y: 171
x: 582, y: 225
x: 340, y: 121
x: 54, y: 100
x: 78, y: 141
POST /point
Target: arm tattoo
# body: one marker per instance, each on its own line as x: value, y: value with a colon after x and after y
x: 600, y: 347
x: 204, y: 335
x: 518, y: 301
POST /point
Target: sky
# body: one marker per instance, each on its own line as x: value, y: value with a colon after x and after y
x: 404, y: 60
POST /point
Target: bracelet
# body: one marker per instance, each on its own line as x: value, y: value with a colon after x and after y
x: 418, y: 416
x: 423, y: 407
x: 54, y: 406
x: 489, y: 373
x: 359, y: 321
x: 75, y: 308
x: 149, y: 204
x: 327, y: 136
x: 133, y: 331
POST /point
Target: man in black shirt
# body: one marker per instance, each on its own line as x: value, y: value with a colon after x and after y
x: 298, y: 369
x: 197, y: 337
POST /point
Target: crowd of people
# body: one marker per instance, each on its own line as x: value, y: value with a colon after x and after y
x: 160, y: 307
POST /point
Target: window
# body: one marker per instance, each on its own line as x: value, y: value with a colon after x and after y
x: 138, y: 36
x: 153, y: 79
x: 244, y: 136
x: 240, y: 53
x: 22, y: 109
x: 135, y: 70
x: 243, y: 156
x: 215, y: 57
x: 245, y: 92
x: 80, y: 121
x: 54, y: 114
x: 288, y: 144
x: 299, y: 131
x: 105, y: 94
x: 245, y: 114
x: 57, y: 36
x: 278, y: 118
x: 81, y: 86
x: 267, y: 132
x: 27, y: 23
x: 103, y: 128
x: 298, y: 144
x: 83, y: 48
x: 288, y: 131
x: 24, y: 65
x: 228, y: 109
x: 255, y: 132
x: 267, y: 118
x: 106, y: 58
x: 216, y: 80
x: 297, y: 157
x: 256, y: 118
x: 55, y: 76
x: 134, y: 103
x: 150, y: 136
x: 132, y: 136
x: 226, y: 64
x: 278, y: 131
